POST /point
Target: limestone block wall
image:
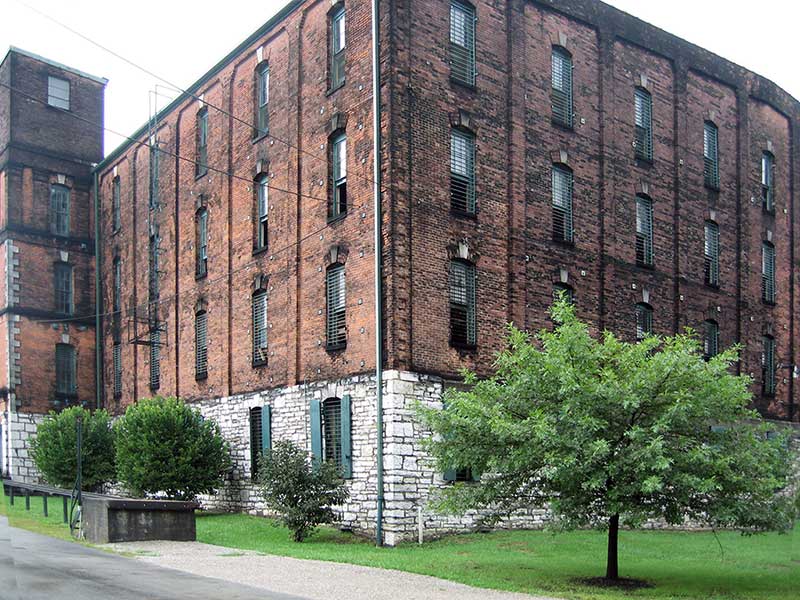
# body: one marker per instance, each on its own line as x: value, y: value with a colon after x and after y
x: 19, y: 429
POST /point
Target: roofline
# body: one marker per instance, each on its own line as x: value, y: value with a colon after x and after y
x: 101, y: 80
x: 190, y: 91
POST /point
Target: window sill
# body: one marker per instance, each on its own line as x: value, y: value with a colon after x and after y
x: 261, y: 136
x: 568, y: 244
x: 463, y: 84
x: 199, y: 276
x: 337, y: 218
x: 645, y: 266
x: 711, y: 187
x: 335, y: 348
x: 463, y: 214
x: 712, y: 286
x: 333, y: 90
x: 770, y: 303
x: 463, y: 347
x: 201, y: 376
x: 259, y: 251
x: 643, y: 161
x: 258, y: 363
x: 561, y: 125
x: 199, y: 176
x: 768, y: 211
x: 115, y: 231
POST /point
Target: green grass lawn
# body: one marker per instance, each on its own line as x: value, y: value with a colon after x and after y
x: 678, y: 564
x: 34, y: 519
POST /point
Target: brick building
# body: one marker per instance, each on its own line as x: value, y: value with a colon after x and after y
x: 47, y: 332
x: 529, y: 146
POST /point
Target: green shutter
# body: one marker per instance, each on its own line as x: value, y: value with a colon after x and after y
x: 266, y: 428
x: 316, y: 432
x: 450, y: 475
x: 347, y: 445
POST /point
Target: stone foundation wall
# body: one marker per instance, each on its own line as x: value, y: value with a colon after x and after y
x: 19, y: 429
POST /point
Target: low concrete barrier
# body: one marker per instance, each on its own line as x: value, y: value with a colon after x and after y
x: 108, y: 519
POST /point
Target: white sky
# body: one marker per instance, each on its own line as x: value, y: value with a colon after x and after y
x: 180, y: 40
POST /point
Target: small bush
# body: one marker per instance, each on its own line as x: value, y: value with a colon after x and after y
x: 303, y: 495
x: 165, y: 446
x: 55, y: 448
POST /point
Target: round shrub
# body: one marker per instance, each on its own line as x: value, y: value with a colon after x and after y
x: 166, y: 447
x: 55, y: 448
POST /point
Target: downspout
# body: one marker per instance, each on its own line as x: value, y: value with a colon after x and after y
x: 376, y: 176
x: 98, y: 300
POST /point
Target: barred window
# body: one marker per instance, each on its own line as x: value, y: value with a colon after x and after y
x: 332, y: 430
x: 117, y: 366
x: 58, y: 92
x: 768, y: 365
x: 768, y: 181
x: 259, y: 327
x: 336, y: 326
x: 153, y: 173
x: 116, y: 292
x: 337, y: 48
x: 561, y: 92
x: 562, y: 203
x: 115, y: 204
x: 262, y: 101
x: 711, y: 251
x: 644, y: 231
x: 201, y: 243
x: 710, y: 339
x: 59, y: 209
x: 463, y: 320
x: 711, y: 155
x: 201, y: 167
x: 643, y: 115
x: 155, y: 359
x: 462, y: 42
x: 262, y: 212
x: 462, y: 171
x: 201, y: 345
x: 565, y: 290
x: 63, y: 285
x: 644, y: 320
x: 257, y: 425
x: 768, y: 272
x: 66, y: 382
x: 337, y: 202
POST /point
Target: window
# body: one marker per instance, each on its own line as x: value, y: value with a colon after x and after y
x: 115, y: 204
x: 562, y: 204
x: 117, y: 360
x: 643, y: 114
x: 561, y: 93
x: 262, y: 101
x: 644, y: 320
x: 116, y: 294
x: 59, y: 209
x: 337, y: 48
x: 560, y: 289
x: 153, y: 176
x: 711, y: 155
x: 768, y: 365
x: 462, y: 42
x: 260, y: 436
x: 332, y: 430
x: 259, y: 327
x: 711, y: 251
x: 153, y: 287
x: 58, y: 92
x: 331, y: 424
x: 262, y: 212
x: 463, y: 323
x: 337, y: 205
x: 768, y: 272
x: 63, y: 288
x: 155, y: 359
x: 768, y: 181
x: 462, y: 171
x: 710, y: 339
x: 336, y: 327
x: 644, y: 231
x: 201, y: 168
x: 66, y: 383
x: 201, y: 243
x: 201, y: 345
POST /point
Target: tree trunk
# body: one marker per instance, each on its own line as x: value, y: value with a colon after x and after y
x: 612, y: 562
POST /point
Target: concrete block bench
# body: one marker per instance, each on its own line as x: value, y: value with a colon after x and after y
x: 108, y: 519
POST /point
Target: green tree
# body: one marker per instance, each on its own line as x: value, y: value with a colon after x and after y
x: 302, y: 494
x: 55, y: 450
x: 166, y: 446
x: 609, y: 432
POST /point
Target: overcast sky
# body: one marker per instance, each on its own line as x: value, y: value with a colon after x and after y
x: 180, y: 40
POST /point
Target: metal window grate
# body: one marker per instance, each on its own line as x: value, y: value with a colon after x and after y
x: 117, y: 366
x: 768, y: 181
x: 338, y: 43
x: 59, y: 209
x: 66, y: 382
x: 462, y: 42
x: 710, y: 339
x: 201, y: 244
x: 463, y: 322
x: 768, y: 365
x: 256, y: 426
x: 561, y: 92
x: 155, y: 359
x: 644, y: 231
x: 768, y: 272
x: 63, y: 285
x: 644, y: 320
x: 711, y: 155
x: 262, y: 83
x: 337, y: 203
x: 259, y: 355
x: 58, y: 92
x: 643, y: 113
x: 562, y: 185
x: 462, y: 171
x: 332, y: 430
x: 201, y: 168
x: 201, y: 344
x: 711, y: 251
x: 262, y: 212
x: 115, y: 204
x: 336, y: 327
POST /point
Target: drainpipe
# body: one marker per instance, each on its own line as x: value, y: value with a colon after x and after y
x: 376, y: 176
x: 98, y: 347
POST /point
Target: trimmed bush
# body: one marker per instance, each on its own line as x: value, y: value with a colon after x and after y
x: 303, y: 495
x: 166, y: 447
x: 55, y: 448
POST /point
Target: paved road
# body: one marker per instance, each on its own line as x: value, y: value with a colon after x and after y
x: 36, y: 567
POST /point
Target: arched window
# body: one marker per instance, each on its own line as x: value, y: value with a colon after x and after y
x: 710, y: 339
x: 462, y: 171
x: 59, y: 210
x: 336, y: 316
x: 463, y: 313
x: 337, y: 44
x: 711, y: 155
x: 63, y: 284
x: 262, y: 212
x: 645, y: 255
x: 768, y: 181
x: 262, y: 101
x: 562, y: 203
x: 561, y: 86
x: 337, y: 200
x: 768, y: 272
x: 643, y: 117
x: 331, y: 428
x: 201, y: 243
x: 259, y: 301
x: 711, y: 253
x: 201, y: 168
x: 768, y: 365
x: 644, y: 320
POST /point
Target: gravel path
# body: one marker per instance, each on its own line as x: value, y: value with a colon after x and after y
x: 312, y: 579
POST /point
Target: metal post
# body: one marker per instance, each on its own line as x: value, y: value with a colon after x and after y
x: 66, y: 508
x: 27, y: 499
x: 44, y: 504
x: 11, y: 494
x: 79, y: 482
